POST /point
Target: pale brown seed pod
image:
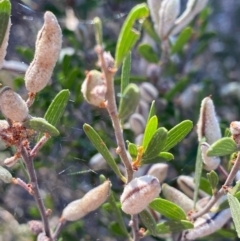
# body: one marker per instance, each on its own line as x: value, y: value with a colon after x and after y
x: 12, y: 105
x: 208, y: 125
x: 91, y: 201
x: 48, y: 46
x: 148, y: 92
x: 137, y: 123
x: 159, y: 170
x: 10, y: 161
x: 3, y: 47
x: 235, y: 130
x: 138, y: 193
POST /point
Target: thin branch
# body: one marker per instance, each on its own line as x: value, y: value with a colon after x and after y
x: 221, y: 192
x: 37, y: 147
x: 57, y: 230
x: 36, y: 193
x: 135, y: 228
x: 112, y: 110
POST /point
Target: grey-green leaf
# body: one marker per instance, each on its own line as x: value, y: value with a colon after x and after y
x: 128, y: 34
x: 129, y: 101
x: 5, y: 175
x: 150, y: 129
x: 177, y: 133
x: 213, y: 180
x: 126, y: 68
x: 222, y: 147
x: 162, y: 157
x: 148, y: 221
x: 5, y: 11
x: 41, y: 125
x: 102, y: 149
x: 156, y: 144
x: 168, y: 209
x: 173, y: 226
x: 132, y: 149
x: 235, y: 211
x: 151, y: 111
x: 147, y: 52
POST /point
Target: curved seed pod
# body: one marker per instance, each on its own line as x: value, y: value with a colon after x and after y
x: 210, y: 163
x: 5, y: 175
x: 5, y: 24
x: 208, y: 125
x: 159, y: 171
x: 187, y: 185
x: 207, y: 224
x: 168, y: 13
x: 192, y: 9
x: 179, y: 198
x: 148, y: 92
x: 48, y: 46
x: 137, y: 123
x: 138, y: 193
x: 94, y: 88
x: 91, y: 201
x: 12, y: 105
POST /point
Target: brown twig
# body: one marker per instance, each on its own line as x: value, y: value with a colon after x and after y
x: 221, y: 192
x: 135, y: 228
x: 57, y: 230
x: 36, y: 193
x: 40, y: 143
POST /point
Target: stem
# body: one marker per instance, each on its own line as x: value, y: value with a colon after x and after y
x: 222, y: 191
x: 41, y: 142
x: 135, y: 228
x: 36, y: 193
x: 57, y: 230
x: 112, y: 110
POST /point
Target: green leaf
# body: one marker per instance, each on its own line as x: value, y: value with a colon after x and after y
x: 128, y: 34
x: 129, y: 101
x: 132, y: 149
x: 213, y: 180
x: 198, y: 172
x: 102, y: 149
x: 41, y: 125
x: 177, y: 133
x: 222, y: 147
x: 182, y: 39
x: 148, y: 221
x: 156, y: 144
x: 162, y: 157
x: 5, y: 175
x: 148, y: 53
x: 151, y: 111
x: 148, y: 28
x: 205, y: 186
x: 57, y: 107
x: 149, y: 131
x: 173, y: 226
x: 235, y: 211
x: 117, y: 213
x: 168, y: 209
x: 98, y: 30
x: 115, y: 229
x: 5, y: 11
x: 126, y: 68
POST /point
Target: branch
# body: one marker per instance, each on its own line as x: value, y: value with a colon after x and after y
x: 36, y: 193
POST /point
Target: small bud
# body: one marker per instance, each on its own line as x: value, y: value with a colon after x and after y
x: 138, y: 193
x: 179, y: 198
x: 35, y: 226
x: 94, y: 88
x: 208, y: 125
x: 91, y: 201
x: 137, y: 123
x: 148, y: 92
x: 12, y: 105
x: 159, y: 171
x: 5, y: 11
x: 48, y: 46
x: 5, y: 175
x: 210, y: 163
x: 168, y: 13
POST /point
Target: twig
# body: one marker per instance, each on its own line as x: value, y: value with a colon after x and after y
x: 31, y: 98
x: 36, y: 193
x: 135, y: 228
x: 57, y: 230
x: 112, y: 110
x: 221, y: 192
x: 41, y: 142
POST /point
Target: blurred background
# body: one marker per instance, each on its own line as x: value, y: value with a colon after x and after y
x: 208, y: 65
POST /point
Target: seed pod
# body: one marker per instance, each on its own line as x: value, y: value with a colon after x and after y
x: 5, y: 24
x: 159, y: 171
x: 94, y: 88
x: 179, y: 198
x: 10, y: 161
x: 143, y: 109
x: 138, y: 193
x: 208, y: 125
x: 5, y: 175
x: 148, y: 92
x: 91, y: 201
x: 48, y: 46
x: 137, y: 123
x: 210, y: 163
x: 12, y: 105
x: 97, y: 162
x: 154, y: 6
x: 168, y: 13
